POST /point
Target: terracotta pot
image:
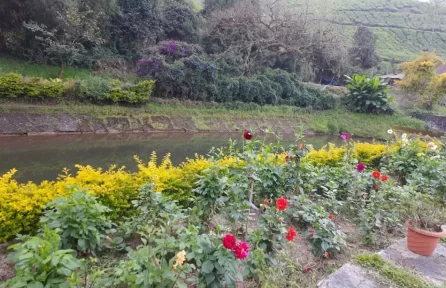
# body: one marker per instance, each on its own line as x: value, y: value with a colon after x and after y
x: 422, y: 242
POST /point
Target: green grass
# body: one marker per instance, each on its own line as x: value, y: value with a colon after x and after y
x: 396, y: 275
x: 29, y: 69
x: 331, y: 121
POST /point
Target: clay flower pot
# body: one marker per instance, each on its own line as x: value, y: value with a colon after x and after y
x: 422, y: 242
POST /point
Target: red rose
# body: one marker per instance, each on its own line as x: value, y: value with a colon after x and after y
x: 247, y: 135
x: 281, y: 204
x: 265, y: 202
x: 291, y: 234
x: 384, y: 178
x: 332, y: 217
x: 376, y: 174
x: 229, y: 242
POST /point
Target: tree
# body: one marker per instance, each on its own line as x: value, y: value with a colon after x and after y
x: 78, y: 27
x: 363, y: 53
x: 421, y: 79
x: 271, y: 33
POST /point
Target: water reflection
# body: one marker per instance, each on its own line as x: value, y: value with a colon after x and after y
x: 40, y: 158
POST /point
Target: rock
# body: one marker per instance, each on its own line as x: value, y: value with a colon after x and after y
x: 350, y: 276
x: 430, y: 268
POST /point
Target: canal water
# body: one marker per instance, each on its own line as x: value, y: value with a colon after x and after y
x: 40, y: 158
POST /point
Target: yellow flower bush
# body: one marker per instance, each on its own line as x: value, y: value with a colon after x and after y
x: 21, y: 204
x: 369, y: 153
x: 326, y: 156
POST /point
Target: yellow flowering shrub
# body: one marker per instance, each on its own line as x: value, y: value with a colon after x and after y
x: 369, y: 153
x: 114, y: 187
x: 174, y: 181
x: 326, y: 156
x: 21, y: 204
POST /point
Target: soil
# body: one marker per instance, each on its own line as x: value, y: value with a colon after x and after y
x: 7, y: 270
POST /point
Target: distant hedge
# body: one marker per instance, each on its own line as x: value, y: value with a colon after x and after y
x: 95, y: 89
x: 183, y: 71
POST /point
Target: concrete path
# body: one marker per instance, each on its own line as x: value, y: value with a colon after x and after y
x: 432, y: 269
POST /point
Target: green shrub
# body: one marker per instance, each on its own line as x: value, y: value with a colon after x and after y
x: 367, y: 95
x: 39, y: 87
x: 130, y: 93
x: 11, y: 86
x: 40, y: 263
x: 82, y: 220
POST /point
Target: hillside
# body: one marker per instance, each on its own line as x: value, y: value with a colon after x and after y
x: 403, y: 27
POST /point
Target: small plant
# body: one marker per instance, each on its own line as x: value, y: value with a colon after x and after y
x: 368, y: 95
x: 325, y: 238
x: 81, y: 219
x: 154, y: 214
x: 40, y: 263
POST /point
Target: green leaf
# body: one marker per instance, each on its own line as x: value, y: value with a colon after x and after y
x: 209, y: 278
x: 207, y: 267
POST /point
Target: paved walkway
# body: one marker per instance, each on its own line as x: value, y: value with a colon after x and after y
x: 432, y: 269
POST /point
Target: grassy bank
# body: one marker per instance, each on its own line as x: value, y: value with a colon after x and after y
x: 29, y: 69
x: 331, y: 121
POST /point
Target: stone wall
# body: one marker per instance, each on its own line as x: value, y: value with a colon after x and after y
x: 30, y: 124
x: 434, y: 122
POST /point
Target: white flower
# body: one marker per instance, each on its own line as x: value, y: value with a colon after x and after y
x: 390, y: 131
x: 404, y: 138
x: 431, y: 146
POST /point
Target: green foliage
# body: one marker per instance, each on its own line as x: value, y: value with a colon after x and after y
x: 210, y: 188
x: 321, y: 231
x: 367, y: 95
x: 40, y: 263
x: 81, y: 220
x: 218, y: 266
x: 396, y: 275
x: 153, y: 213
x: 11, y: 85
x: 406, y: 158
x: 129, y: 93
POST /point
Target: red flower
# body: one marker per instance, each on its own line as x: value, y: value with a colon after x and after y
x: 360, y: 167
x: 229, y: 242
x: 281, y: 204
x: 376, y: 174
x: 326, y: 254
x: 291, y: 234
x: 384, y: 178
x: 362, y: 195
x: 301, y: 146
x: 266, y: 202
x: 247, y: 135
x: 332, y: 217
x: 241, y: 251
x: 287, y: 158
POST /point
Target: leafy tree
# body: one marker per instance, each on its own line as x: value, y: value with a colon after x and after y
x: 421, y: 79
x: 363, y: 53
x: 77, y: 29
